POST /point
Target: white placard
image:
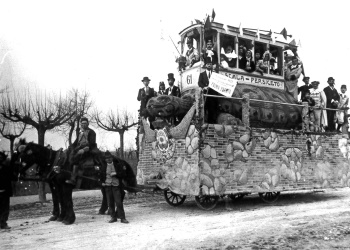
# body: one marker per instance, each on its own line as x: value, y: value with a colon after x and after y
x: 257, y: 81
x: 222, y: 84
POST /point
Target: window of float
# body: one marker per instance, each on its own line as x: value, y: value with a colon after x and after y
x: 225, y: 41
x: 210, y: 35
x: 277, y: 54
x: 195, y: 34
x: 261, y: 48
x: 248, y: 44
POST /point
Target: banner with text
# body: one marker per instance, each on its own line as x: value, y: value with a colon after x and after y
x: 222, y: 84
x: 257, y: 81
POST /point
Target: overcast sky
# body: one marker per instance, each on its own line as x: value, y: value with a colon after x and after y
x: 107, y: 47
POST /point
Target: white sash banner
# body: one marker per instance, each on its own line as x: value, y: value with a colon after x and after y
x: 254, y: 80
x: 222, y: 84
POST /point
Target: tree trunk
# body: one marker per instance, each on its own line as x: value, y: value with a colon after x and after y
x: 71, y: 130
x: 12, y: 142
x: 41, y: 187
x: 121, y: 135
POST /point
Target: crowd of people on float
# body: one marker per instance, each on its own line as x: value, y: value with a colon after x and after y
x: 324, y: 104
x: 320, y: 101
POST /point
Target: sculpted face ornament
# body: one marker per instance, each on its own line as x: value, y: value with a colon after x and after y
x: 165, y: 145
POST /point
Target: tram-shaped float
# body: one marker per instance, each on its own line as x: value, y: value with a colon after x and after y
x: 259, y: 143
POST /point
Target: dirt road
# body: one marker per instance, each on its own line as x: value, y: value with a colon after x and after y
x: 296, y: 221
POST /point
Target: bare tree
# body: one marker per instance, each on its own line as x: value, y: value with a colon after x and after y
x: 116, y: 122
x: 83, y: 104
x: 11, y: 131
x: 40, y: 110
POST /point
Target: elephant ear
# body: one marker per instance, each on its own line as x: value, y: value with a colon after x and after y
x: 150, y: 135
x: 180, y: 131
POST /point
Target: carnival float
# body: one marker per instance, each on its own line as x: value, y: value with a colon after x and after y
x: 261, y: 143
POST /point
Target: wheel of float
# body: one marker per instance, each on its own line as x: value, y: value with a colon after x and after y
x: 236, y: 197
x: 269, y: 197
x: 206, y: 202
x: 174, y: 199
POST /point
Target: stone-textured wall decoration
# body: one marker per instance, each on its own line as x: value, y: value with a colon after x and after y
x: 292, y: 163
x: 344, y: 148
x: 164, y: 147
x: 223, y: 130
x: 324, y: 173
x: 192, y: 140
x: 212, y: 173
x: 314, y: 146
x: 344, y: 174
x: 241, y: 175
x: 181, y: 178
x: 271, y: 140
x: 239, y: 150
x: 271, y: 179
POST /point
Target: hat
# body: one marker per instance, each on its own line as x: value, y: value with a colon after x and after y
x: 209, y: 40
x: 315, y: 82
x: 330, y: 78
x: 207, y: 60
x: 84, y: 119
x: 171, y: 76
x: 108, y: 154
x: 306, y: 78
x: 145, y: 79
x: 189, y: 40
x: 161, y: 83
x: 343, y: 86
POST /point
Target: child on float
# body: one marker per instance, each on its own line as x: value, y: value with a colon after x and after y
x: 343, y: 104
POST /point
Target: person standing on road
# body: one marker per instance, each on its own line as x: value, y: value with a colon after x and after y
x: 7, y: 174
x: 114, y: 174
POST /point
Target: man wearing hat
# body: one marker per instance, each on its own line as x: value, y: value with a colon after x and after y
x: 112, y: 180
x: 211, y: 104
x: 83, y: 147
x: 192, y: 55
x: 145, y: 93
x: 320, y: 102
x: 332, y: 102
x: 305, y: 88
x: 172, y: 90
x: 210, y: 52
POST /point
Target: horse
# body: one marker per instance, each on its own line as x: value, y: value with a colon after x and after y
x: 54, y: 168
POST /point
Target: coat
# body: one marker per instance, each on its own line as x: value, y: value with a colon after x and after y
x: 7, y: 175
x: 331, y: 94
x: 174, y: 92
x: 243, y: 64
x: 144, y: 98
x: 203, y: 80
x: 91, y: 142
x: 118, y: 167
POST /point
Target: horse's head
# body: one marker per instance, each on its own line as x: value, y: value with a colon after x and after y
x: 32, y: 154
